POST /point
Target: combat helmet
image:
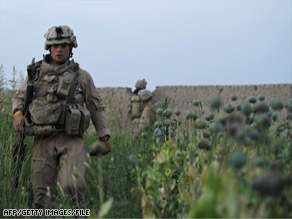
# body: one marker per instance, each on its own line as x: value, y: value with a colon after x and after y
x: 60, y: 35
x: 141, y: 84
x: 145, y: 94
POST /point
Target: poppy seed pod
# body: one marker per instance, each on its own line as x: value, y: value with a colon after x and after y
x: 206, y: 134
x: 234, y: 118
x: 277, y: 165
x: 196, y: 102
x: 242, y: 136
x: 277, y: 104
x: 200, y: 124
x: 157, y: 132
x: 274, y: 116
x: 167, y: 113
x: 246, y: 109
x: 220, y: 119
x: 238, y: 160
x: 229, y: 109
x: 177, y: 112
x: 209, y: 117
x: 233, y: 97
x: 144, y: 135
x: 167, y: 122
x: 215, y: 103
x: 191, y: 115
x: 216, y: 128
x: 254, y: 134
x: 271, y: 183
x: 259, y: 161
x: 263, y: 121
x: 238, y: 107
x: 204, y: 144
x: 159, y: 111
x: 261, y: 108
x: 261, y: 97
x: 252, y: 99
x: 158, y: 124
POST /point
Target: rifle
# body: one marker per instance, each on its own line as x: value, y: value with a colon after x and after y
x: 19, y: 148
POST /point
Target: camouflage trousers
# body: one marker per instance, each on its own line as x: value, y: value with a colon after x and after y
x: 58, y: 158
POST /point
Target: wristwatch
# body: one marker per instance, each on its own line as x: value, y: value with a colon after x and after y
x: 104, y: 138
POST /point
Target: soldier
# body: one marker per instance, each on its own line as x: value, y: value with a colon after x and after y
x: 141, y: 107
x: 58, y: 119
x: 136, y: 105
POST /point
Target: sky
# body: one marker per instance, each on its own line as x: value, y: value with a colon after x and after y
x: 167, y: 42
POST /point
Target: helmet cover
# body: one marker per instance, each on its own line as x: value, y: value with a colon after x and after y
x: 141, y: 84
x: 60, y: 35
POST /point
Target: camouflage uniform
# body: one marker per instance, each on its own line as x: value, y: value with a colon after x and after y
x: 58, y: 156
x: 141, y: 107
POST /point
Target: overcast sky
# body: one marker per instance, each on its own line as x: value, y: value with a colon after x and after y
x: 174, y: 42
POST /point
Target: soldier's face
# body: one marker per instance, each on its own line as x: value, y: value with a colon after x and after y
x: 60, y: 53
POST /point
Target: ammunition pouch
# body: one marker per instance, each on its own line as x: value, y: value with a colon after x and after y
x: 45, y: 113
x: 77, y: 120
x: 65, y: 83
x: 85, y: 120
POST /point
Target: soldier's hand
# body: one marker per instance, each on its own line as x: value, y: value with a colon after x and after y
x: 108, y: 147
x: 19, y: 120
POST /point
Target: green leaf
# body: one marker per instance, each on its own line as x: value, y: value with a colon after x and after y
x: 104, y: 209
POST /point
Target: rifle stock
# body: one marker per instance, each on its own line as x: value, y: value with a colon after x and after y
x: 27, y: 98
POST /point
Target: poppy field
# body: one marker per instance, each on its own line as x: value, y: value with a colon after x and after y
x: 235, y: 161
x: 233, y: 164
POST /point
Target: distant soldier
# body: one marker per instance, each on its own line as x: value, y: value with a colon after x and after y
x: 136, y: 105
x: 141, y: 105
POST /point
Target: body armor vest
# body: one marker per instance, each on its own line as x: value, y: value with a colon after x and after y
x: 53, y: 104
x: 136, y: 108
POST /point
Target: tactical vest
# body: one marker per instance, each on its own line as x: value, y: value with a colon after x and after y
x: 136, y: 106
x: 56, y: 104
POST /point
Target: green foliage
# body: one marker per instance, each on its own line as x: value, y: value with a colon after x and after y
x: 220, y: 195
x: 109, y: 179
x: 9, y: 196
x: 221, y: 167
x: 225, y: 165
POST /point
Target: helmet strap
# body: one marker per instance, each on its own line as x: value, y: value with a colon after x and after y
x: 71, y: 53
